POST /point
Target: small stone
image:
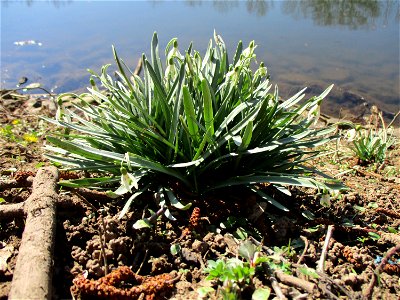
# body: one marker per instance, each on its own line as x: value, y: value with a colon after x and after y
x: 22, y: 80
x: 200, y: 247
x: 189, y: 256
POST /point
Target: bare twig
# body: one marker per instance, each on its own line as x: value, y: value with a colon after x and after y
x: 144, y: 259
x: 321, y: 262
x: 12, y: 183
x: 14, y: 210
x: 276, y: 288
x: 294, y: 281
x: 369, y: 291
x: 304, y: 251
x: 103, y: 243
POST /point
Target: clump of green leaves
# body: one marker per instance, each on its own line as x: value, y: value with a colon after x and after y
x: 234, y: 274
x: 371, y: 145
x: 207, y: 123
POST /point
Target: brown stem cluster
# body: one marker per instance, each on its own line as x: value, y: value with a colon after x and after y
x: 122, y: 283
x: 193, y: 222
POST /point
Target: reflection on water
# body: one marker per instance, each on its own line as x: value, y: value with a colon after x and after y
x: 353, y: 43
x: 353, y: 14
x: 55, y: 3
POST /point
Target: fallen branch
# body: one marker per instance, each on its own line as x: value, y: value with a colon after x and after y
x: 276, y: 288
x: 388, y: 212
x: 294, y: 281
x: 35, y: 252
x: 369, y: 291
x: 9, y: 211
x: 299, y: 261
x: 12, y: 183
x: 321, y: 263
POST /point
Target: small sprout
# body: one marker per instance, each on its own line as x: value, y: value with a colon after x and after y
x: 175, y: 249
x: 359, y: 208
x: 374, y: 236
x: 139, y: 224
x: 325, y: 200
x: 261, y: 294
x: 308, y: 272
x: 373, y: 205
x: 204, y: 291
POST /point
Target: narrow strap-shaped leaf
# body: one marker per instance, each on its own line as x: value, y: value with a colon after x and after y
x: 190, y: 114
x: 207, y: 107
x: 239, y: 50
x: 246, y: 138
x: 173, y: 134
x: 269, y: 199
x: 128, y: 203
x: 162, y: 96
x: 121, y: 69
x: 85, y: 151
x: 251, y: 180
x: 142, y: 162
x: 155, y: 57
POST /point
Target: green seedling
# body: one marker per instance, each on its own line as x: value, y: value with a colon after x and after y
x: 371, y: 145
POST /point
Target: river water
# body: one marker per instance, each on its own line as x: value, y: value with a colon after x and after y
x: 353, y: 43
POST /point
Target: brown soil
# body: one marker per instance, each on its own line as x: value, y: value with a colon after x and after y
x: 91, y: 240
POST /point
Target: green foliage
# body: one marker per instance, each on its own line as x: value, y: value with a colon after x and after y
x: 208, y: 123
x: 232, y: 273
x: 372, y: 145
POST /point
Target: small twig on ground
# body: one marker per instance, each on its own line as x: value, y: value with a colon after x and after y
x: 85, y: 200
x: 326, y: 279
x: 366, y: 173
x: 369, y: 291
x: 12, y: 183
x: 305, y: 240
x: 276, y: 288
x: 144, y: 259
x: 388, y: 212
x: 102, y: 235
x: 294, y: 281
x: 14, y: 210
x: 321, y: 263
x: 91, y: 194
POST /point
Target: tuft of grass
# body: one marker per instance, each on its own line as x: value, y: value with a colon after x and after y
x: 207, y: 123
x: 371, y: 145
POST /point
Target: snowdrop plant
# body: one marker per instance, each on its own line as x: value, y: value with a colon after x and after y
x: 206, y: 123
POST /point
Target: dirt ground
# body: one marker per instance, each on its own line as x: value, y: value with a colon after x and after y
x: 90, y: 239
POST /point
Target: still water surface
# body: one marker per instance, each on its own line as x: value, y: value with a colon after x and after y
x: 353, y: 44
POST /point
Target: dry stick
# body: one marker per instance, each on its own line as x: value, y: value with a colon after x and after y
x: 320, y: 267
x: 101, y: 230
x: 12, y: 183
x: 329, y: 280
x: 144, y: 258
x: 9, y: 211
x: 36, y: 250
x: 276, y: 288
x: 304, y: 251
x: 102, y: 236
x: 369, y: 291
x: 294, y: 281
